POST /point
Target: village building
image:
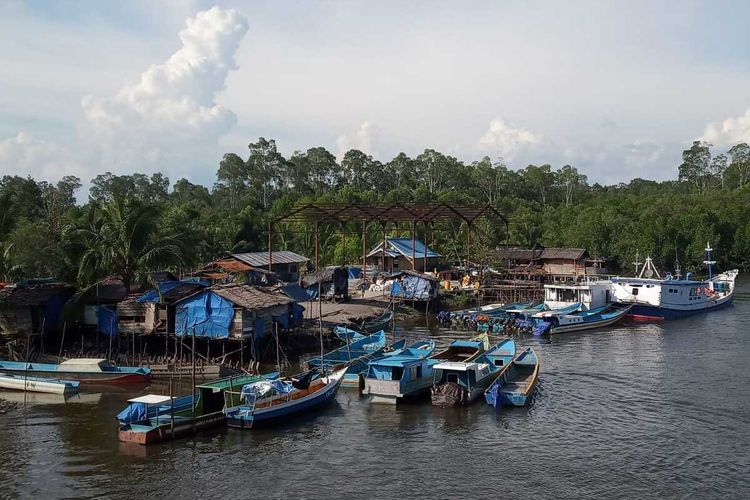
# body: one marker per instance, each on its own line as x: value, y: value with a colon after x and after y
x: 402, y: 254
x: 33, y: 307
x: 235, y: 311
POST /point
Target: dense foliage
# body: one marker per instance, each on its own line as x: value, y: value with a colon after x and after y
x: 134, y: 223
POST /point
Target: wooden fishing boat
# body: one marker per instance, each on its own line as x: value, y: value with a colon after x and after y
x: 154, y: 418
x: 403, y: 373
x: 279, y: 400
x: 514, y: 386
x: 464, y: 350
x: 354, y: 356
x: 581, y: 320
x: 381, y: 322
x: 85, y: 370
x: 348, y: 334
x: 457, y: 383
x: 38, y: 384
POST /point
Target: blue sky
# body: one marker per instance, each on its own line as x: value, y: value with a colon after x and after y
x: 617, y: 89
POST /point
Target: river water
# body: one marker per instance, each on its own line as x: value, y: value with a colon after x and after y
x: 640, y: 410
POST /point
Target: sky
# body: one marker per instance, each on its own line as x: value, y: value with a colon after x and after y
x: 617, y: 89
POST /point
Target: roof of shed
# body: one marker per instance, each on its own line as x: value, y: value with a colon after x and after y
x: 324, y: 275
x: 260, y: 259
x: 31, y: 295
x: 415, y: 274
x: 563, y: 253
x: 518, y: 253
x: 250, y: 297
x: 403, y: 246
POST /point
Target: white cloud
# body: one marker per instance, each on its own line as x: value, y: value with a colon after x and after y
x: 728, y: 132
x: 24, y: 155
x: 502, y: 137
x: 365, y: 139
x: 166, y: 121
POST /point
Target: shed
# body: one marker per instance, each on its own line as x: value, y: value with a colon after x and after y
x: 563, y: 261
x: 32, y: 308
x: 285, y: 264
x: 413, y: 285
x: 159, y: 304
x: 333, y: 282
x: 232, y: 310
x: 401, y: 254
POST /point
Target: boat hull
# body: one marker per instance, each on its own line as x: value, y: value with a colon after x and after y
x: 586, y: 326
x: 392, y: 392
x: 21, y: 383
x: 164, y: 431
x: 86, y: 377
x: 646, y: 311
x: 281, y: 412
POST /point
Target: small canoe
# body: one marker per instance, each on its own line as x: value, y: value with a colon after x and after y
x: 344, y: 333
x: 276, y: 401
x: 517, y: 383
x: 85, y: 370
x: 457, y: 383
x: 354, y: 357
x: 379, y: 323
x: 38, y: 384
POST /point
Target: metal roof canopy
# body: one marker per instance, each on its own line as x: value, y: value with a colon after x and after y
x: 384, y: 213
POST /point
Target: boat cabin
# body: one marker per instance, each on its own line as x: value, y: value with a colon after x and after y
x: 590, y: 294
x: 463, y: 374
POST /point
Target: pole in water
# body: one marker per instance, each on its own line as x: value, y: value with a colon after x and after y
x: 193, y: 381
x: 278, y: 358
x: 62, y: 340
x: 320, y: 325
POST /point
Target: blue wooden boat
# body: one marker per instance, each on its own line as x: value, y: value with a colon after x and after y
x: 400, y: 374
x: 378, y: 323
x: 457, y: 383
x: 276, y: 401
x: 516, y: 384
x: 562, y: 322
x: 154, y: 418
x: 84, y: 370
x: 464, y: 350
x: 355, y: 357
x: 344, y: 333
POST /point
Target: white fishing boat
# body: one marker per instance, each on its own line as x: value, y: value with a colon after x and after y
x: 673, y: 297
x: 38, y: 384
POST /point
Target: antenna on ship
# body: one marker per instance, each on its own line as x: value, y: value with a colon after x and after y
x: 637, y: 263
x: 709, y: 262
x: 677, y: 269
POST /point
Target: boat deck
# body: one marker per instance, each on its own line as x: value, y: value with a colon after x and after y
x: 520, y: 383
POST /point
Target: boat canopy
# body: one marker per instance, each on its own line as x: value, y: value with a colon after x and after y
x: 397, y: 361
x: 151, y: 399
x: 86, y: 364
x: 455, y: 366
x: 263, y: 387
x: 467, y: 343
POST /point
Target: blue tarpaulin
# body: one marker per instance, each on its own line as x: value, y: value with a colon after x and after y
x: 355, y: 272
x: 292, y: 318
x: 153, y: 294
x: 413, y: 287
x: 207, y: 314
x: 106, y: 321
x: 299, y: 294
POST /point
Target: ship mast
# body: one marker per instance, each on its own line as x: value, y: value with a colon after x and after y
x: 709, y: 260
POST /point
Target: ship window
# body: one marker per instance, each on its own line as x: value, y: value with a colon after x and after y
x: 452, y: 377
x: 499, y: 362
x: 397, y: 373
x: 635, y: 291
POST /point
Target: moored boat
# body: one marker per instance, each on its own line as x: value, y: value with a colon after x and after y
x: 278, y: 400
x: 348, y: 334
x: 354, y: 356
x: 380, y: 322
x: 38, y: 384
x: 457, y: 383
x: 515, y: 385
x: 672, y: 297
x: 581, y: 320
x: 84, y: 370
x: 154, y: 418
x: 464, y: 350
x: 403, y: 373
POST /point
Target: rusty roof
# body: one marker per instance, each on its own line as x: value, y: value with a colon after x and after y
x: 32, y: 295
x: 250, y: 297
x: 518, y: 253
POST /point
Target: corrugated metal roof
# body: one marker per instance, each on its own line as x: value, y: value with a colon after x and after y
x: 403, y: 246
x: 250, y: 297
x: 260, y: 259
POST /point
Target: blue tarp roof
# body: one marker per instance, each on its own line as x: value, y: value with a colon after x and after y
x: 299, y: 294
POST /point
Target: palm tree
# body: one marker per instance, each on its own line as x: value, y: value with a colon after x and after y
x: 123, y: 239
x: 8, y: 270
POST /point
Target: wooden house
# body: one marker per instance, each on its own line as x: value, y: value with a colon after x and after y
x: 403, y: 254
x: 232, y: 311
x: 33, y: 307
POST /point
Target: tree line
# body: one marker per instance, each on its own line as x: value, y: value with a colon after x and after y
x: 132, y: 224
